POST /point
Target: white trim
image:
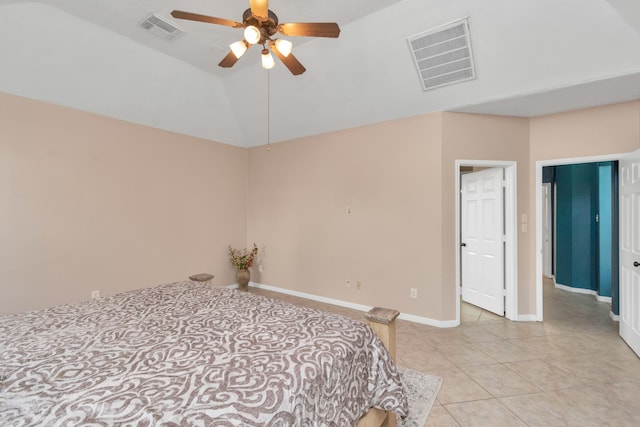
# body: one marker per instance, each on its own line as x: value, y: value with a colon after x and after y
x: 538, y: 213
x: 548, y: 215
x: 603, y: 299
x: 584, y: 292
x: 527, y: 318
x: 353, y: 306
x: 511, y: 232
x: 574, y: 290
x: 429, y: 321
x: 511, y: 229
x: 359, y: 307
x: 614, y: 317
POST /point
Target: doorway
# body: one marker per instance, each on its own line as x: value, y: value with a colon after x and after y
x: 580, y: 220
x: 541, y: 213
x: 510, y: 268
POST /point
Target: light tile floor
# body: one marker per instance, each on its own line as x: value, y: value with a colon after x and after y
x: 570, y: 370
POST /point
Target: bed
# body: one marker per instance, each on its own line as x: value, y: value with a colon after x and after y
x: 188, y: 353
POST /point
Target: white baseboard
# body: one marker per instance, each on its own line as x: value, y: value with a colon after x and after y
x: 527, y: 318
x: 614, y: 317
x: 583, y: 291
x: 428, y: 321
x: 359, y: 307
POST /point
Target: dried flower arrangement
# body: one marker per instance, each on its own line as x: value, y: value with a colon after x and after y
x: 242, y: 260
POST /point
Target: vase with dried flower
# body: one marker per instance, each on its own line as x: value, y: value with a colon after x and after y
x: 242, y: 260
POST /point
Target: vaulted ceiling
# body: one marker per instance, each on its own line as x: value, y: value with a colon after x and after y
x: 531, y: 58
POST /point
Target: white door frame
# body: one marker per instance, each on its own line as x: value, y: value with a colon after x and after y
x: 539, y: 212
x: 511, y: 232
x: 547, y: 215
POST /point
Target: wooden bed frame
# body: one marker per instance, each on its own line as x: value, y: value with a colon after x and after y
x: 383, y: 323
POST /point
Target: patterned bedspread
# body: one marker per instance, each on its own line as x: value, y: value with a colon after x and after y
x: 190, y: 354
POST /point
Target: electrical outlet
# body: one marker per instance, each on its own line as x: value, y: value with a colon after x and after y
x: 95, y: 294
x: 358, y: 285
x: 349, y: 211
x: 348, y: 283
x: 414, y: 293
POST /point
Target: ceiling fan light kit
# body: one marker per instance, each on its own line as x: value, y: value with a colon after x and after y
x: 267, y: 60
x: 284, y: 46
x: 260, y: 25
x: 252, y: 34
x: 239, y: 48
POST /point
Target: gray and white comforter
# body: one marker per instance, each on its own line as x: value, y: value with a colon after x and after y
x: 191, y: 354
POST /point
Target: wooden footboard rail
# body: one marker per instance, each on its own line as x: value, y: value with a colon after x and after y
x: 383, y: 323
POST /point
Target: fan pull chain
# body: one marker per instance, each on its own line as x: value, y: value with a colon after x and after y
x: 268, y: 110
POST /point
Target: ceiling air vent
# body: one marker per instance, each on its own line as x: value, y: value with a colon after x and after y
x: 443, y: 55
x: 162, y: 27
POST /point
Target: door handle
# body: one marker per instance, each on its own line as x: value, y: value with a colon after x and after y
x: 636, y: 264
x: 463, y: 244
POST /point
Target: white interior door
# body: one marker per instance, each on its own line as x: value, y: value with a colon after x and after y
x: 629, y: 176
x: 546, y: 230
x: 482, y: 247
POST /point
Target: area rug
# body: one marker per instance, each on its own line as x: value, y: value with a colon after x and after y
x: 421, y: 390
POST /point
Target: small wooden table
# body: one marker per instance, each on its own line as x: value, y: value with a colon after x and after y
x: 202, y: 277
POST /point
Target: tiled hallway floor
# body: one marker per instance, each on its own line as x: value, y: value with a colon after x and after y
x: 570, y: 370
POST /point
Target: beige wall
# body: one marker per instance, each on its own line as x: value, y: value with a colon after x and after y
x: 299, y: 192
x: 610, y: 129
x: 389, y: 174
x: 399, y: 179
x: 481, y: 137
x: 91, y: 203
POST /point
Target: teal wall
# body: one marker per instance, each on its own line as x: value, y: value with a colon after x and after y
x: 586, y: 239
x: 576, y: 249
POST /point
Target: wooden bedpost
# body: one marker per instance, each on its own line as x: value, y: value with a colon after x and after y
x: 383, y: 323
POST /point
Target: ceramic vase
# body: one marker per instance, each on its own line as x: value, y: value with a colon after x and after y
x: 243, y: 276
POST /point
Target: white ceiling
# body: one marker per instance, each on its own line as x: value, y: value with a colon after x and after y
x: 532, y: 58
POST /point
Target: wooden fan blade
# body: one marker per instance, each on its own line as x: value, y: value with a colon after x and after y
x: 290, y: 61
x: 204, y: 18
x: 259, y: 9
x: 229, y: 60
x: 310, y: 29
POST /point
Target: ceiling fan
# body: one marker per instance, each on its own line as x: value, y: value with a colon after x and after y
x: 260, y: 25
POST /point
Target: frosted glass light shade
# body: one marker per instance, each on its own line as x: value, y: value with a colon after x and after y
x: 267, y: 60
x: 252, y: 34
x: 284, y: 47
x: 238, y: 48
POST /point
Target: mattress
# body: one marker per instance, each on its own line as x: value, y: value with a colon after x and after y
x: 189, y: 354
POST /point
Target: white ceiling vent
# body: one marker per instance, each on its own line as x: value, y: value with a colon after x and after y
x: 443, y: 55
x: 162, y: 27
